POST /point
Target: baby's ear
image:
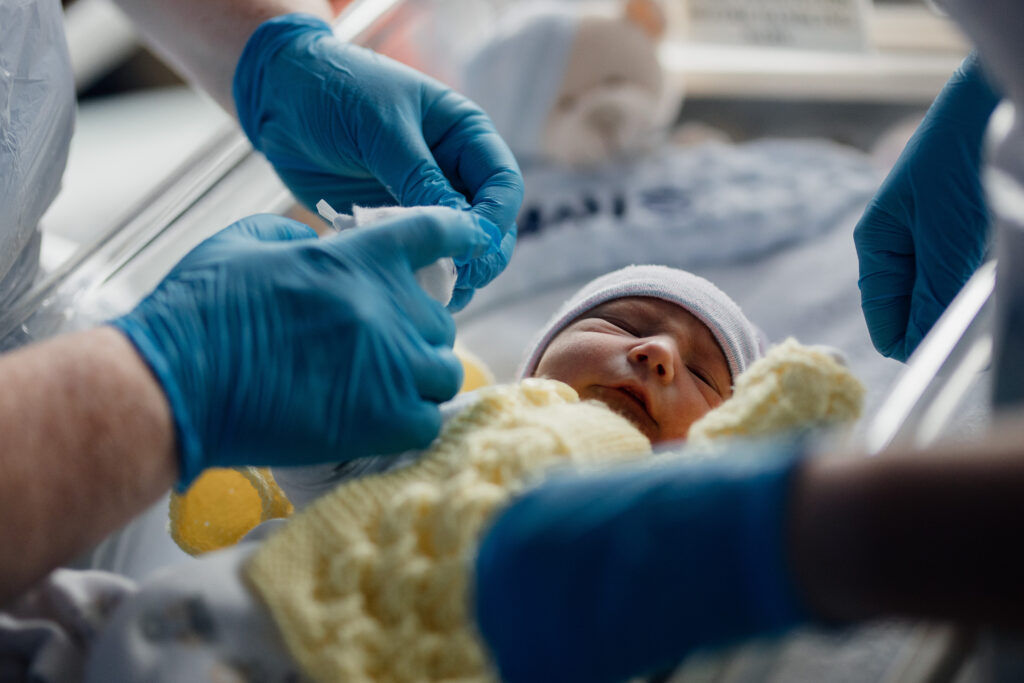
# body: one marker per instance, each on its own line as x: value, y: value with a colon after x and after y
x: 648, y: 16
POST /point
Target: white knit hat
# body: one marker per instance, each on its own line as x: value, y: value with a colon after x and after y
x: 741, y: 341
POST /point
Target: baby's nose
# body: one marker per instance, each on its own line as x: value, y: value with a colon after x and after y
x: 658, y: 356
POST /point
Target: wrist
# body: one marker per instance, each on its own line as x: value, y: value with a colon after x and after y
x: 269, y: 39
x: 181, y: 404
x: 87, y: 444
x: 154, y: 409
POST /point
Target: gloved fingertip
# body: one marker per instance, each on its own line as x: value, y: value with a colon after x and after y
x: 460, y: 299
x: 888, y: 343
x: 424, y: 427
x: 492, y: 231
x: 913, y: 338
x: 499, y: 204
x: 508, y: 242
x: 482, y: 240
x: 457, y: 377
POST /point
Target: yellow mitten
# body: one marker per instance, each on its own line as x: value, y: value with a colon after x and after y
x: 223, y: 505
x: 476, y: 374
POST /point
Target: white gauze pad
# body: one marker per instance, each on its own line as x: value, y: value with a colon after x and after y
x: 437, y: 279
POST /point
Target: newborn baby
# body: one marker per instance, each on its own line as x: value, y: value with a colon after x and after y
x: 659, y: 346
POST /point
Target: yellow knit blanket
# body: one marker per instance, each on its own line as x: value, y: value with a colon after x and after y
x: 370, y: 583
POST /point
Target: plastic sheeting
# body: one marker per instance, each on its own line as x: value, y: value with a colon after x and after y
x: 37, y: 108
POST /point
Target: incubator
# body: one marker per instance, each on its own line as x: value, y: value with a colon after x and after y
x: 799, y: 282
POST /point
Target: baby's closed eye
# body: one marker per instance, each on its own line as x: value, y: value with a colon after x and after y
x: 703, y: 376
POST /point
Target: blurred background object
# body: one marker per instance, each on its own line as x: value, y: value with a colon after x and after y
x: 137, y: 120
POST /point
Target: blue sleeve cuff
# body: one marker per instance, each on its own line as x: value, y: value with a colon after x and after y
x: 190, y: 451
x: 602, y: 578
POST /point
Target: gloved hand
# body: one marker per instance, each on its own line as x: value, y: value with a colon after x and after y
x: 274, y: 347
x: 602, y: 578
x: 926, y: 230
x: 341, y: 123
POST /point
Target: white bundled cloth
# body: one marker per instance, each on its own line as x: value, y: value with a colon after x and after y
x: 37, y: 110
x: 47, y: 633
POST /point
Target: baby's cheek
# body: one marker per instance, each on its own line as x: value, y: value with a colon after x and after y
x: 685, y: 412
x: 713, y: 399
x: 562, y: 364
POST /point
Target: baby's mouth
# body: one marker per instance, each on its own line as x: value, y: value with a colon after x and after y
x: 631, y: 404
x: 636, y: 396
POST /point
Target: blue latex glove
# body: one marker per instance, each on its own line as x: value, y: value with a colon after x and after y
x: 926, y: 231
x: 274, y: 347
x: 602, y: 578
x: 342, y: 123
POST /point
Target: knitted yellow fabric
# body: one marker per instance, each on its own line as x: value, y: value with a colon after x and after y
x: 370, y: 583
x: 793, y: 386
x: 223, y: 505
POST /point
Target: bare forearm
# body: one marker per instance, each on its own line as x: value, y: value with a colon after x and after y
x: 203, y: 39
x: 931, y: 535
x: 87, y: 441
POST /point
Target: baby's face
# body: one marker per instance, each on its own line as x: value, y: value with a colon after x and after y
x: 647, y: 359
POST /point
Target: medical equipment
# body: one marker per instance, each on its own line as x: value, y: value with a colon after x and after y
x: 37, y: 113
x: 1006, y: 195
x: 994, y: 26
x: 228, y: 182
x: 805, y: 23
